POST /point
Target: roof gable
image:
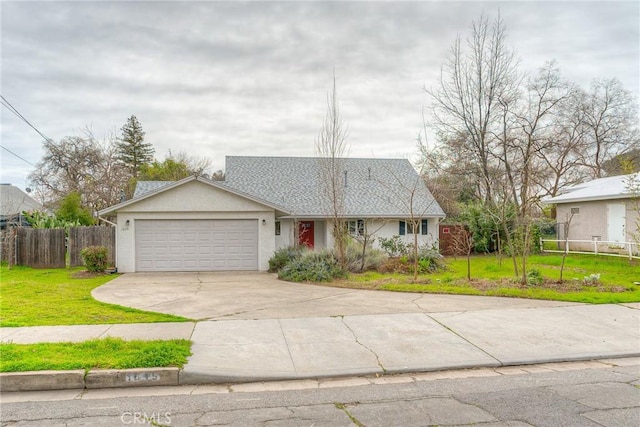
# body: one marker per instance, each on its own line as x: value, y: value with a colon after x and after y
x: 176, y: 202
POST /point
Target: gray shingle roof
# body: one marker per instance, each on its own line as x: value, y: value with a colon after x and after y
x: 379, y: 188
x: 13, y: 200
x: 375, y: 187
x: 144, y: 187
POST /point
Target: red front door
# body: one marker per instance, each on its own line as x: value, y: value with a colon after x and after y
x: 305, y: 233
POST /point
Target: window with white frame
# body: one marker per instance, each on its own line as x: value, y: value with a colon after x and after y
x: 356, y: 227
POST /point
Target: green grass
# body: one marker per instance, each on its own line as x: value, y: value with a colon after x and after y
x: 109, y: 353
x: 42, y: 297
x: 492, y: 277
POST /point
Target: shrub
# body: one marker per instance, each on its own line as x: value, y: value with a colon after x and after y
x: 394, y: 246
x: 429, y: 260
x: 312, y: 267
x: 95, y: 258
x: 353, y: 257
x: 284, y: 256
x: 534, y: 277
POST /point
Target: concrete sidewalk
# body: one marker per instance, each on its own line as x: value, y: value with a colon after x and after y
x: 276, y: 349
x: 376, y: 344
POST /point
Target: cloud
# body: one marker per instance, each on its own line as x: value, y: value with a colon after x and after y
x: 230, y: 78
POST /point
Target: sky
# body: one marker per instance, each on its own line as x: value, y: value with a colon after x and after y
x: 215, y: 79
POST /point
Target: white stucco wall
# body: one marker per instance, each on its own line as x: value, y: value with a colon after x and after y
x: 193, y: 200
x: 591, y: 222
x: 379, y: 228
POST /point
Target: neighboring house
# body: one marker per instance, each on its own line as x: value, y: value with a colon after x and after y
x: 603, y: 209
x: 14, y: 201
x: 264, y: 204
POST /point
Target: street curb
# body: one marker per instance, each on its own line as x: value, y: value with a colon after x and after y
x: 41, y: 380
x: 149, y: 377
x: 94, y: 379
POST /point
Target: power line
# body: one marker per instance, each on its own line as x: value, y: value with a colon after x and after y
x: 21, y: 158
x: 13, y: 109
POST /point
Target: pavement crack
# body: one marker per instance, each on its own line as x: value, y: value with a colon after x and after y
x: 415, y: 302
x: 384, y: 370
x: 343, y: 408
x: 293, y: 363
x: 465, y: 339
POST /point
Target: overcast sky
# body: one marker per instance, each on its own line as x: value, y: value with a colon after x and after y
x: 251, y: 78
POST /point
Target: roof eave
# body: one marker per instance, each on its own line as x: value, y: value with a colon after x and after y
x: 586, y: 199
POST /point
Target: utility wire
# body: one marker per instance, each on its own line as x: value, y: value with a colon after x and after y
x: 21, y: 158
x: 11, y: 108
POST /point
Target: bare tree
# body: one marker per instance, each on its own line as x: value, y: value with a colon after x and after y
x: 198, y: 166
x: 466, y: 102
x: 566, y: 229
x: 462, y: 243
x: 331, y: 149
x: 80, y: 164
x: 611, y: 121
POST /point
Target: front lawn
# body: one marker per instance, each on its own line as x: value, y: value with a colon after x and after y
x: 43, y: 297
x: 108, y: 353
x: 493, y: 278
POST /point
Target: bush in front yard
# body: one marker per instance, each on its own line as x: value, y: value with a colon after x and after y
x: 373, y: 257
x: 284, y: 256
x: 312, y: 267
x: 94, y: 258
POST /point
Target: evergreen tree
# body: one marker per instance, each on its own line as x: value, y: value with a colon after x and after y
x: 133, y: 152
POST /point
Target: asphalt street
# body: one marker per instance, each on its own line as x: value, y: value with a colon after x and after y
x: 596, y: 393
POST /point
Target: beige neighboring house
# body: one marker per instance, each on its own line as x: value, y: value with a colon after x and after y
x: 265, y: 203
x: 14, y: 201
x: 603, y: 209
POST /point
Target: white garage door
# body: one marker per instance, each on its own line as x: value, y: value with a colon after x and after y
x: 196, y: 245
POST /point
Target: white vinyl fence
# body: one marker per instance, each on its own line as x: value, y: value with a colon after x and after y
x: 593, y: 247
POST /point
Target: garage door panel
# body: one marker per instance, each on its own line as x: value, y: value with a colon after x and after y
x: 196, y: 245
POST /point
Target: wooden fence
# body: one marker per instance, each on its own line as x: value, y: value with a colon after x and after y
x: 47, y: 247
x: 81, y: 237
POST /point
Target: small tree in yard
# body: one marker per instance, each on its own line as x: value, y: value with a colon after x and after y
x: 71, y: 210
x: 567, y: 226
x: 632, y: 186
x: 331, y: 147
x: 462, y: 242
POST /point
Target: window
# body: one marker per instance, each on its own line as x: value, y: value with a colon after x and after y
x: 407, y: 227
x: 425, y: 227
x: 356, y: 227
x: 575, y: 211
x: 277, y: 228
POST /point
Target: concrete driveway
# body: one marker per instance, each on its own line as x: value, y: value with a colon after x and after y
x: 216, y: 296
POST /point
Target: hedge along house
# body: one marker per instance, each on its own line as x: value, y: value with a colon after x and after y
x: 266, y: 203
x: 604, y: 210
